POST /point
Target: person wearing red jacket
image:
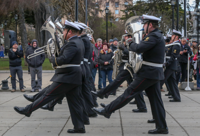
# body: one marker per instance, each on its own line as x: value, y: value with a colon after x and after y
x: 196, y: 68
x: 95, y: 55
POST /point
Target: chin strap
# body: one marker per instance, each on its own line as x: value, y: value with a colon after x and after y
x: 147, y: 28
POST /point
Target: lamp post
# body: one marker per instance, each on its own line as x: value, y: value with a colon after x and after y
x: 86, y: 4
x: 177, y: 12
x: 107, y: 10
x: 173, y: 3
x: 185, y: 19
x: 76, y: 11
x: 111, y: 21
x: 5, y: 24
x: 16, y: 18
x: 198, y: 15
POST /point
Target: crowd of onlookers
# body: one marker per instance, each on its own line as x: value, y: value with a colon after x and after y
x: 102, y: 62
x: 15, y: 55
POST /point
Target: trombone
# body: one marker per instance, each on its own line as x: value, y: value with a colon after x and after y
x: 37, y: 52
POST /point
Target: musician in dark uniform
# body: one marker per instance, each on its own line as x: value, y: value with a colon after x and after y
x: 86, y: 97
x: 66, y: 80
x: 148, y: 77
x: 172, y: 66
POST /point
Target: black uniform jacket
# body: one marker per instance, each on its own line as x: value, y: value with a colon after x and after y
x: 87, y: 45
x: 153, y: 49
x: 71, y: 53
x: 173, y: 52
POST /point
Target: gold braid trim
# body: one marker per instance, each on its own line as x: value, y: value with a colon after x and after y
x: 56, y: 61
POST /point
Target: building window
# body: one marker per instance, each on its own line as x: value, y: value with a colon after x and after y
x: 117, y: 19
x: 126, y: 3
x: 116, y: 4
x: 116, y: 11
x: 107, y: 4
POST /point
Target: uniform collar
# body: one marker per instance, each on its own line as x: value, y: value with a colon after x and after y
x: 72, y: 37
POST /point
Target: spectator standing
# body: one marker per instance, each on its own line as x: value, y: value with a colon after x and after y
x: 1, y: 51
x: 114, y: 45
x: 110, y: 42
x: 15, y: 54
x: 183, y: 59
x: 95, y: 55
x: 106, y: 63
x: 197, y: 67
x: 35, y: 64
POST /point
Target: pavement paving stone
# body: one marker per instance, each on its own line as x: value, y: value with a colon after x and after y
x: 182, y: 117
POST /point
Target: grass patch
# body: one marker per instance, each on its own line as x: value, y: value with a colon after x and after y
x: 4, y: 64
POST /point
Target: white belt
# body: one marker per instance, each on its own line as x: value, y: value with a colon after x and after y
x: 124, y: 60
x: 68, y: 65
x: 81, y: 62
x: 168, y: 57
x: 152, y: 64
x: 86, y: 60
x: 89, y: 63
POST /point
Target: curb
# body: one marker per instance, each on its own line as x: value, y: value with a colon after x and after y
x: 26, y: 71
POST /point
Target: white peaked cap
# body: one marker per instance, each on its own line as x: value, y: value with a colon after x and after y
x: 81, y: 24
x: 177, y: 32
x: 148, y: 17
x: 71, y: 24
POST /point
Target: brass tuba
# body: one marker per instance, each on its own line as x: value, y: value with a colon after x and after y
x: 134, y: 26
x: 53, y: 44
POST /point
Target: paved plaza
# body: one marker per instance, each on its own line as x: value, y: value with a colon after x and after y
x: 183, y: 118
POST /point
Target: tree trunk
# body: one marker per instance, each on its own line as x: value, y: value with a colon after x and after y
x: 41, y: 14
x: 22, y: 28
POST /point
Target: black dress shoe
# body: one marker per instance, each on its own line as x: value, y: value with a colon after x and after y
x: 170, y: 97
x: 76, y: 130
x: 29, y: 97
x: 174, y: 100
x: 139, y: 110
x: 92, y: 115
x: 151, y: 121
x: 167, y: 94
x: 101, y: 111
x: 21, y: 110
x: 97, y: 94
x: 87, y: 122
x: 159, y: 131
x: 103, y: 105
x: 46, y: 107
x: 133, y: 102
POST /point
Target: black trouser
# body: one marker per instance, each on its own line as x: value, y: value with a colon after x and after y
x: 168, y: 88
x: 58, y: 90
x: 121, y: 77
x: 152, y: 88
x: 183, y: 71
x: 85, y: 115
x: 140, y: 101
x: 171, y: 80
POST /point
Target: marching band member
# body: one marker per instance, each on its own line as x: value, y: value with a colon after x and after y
x: 148, y: 77
x: 171, y: 67
x: 66, y: 80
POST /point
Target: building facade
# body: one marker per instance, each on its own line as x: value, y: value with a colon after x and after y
x: 114, y: 6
